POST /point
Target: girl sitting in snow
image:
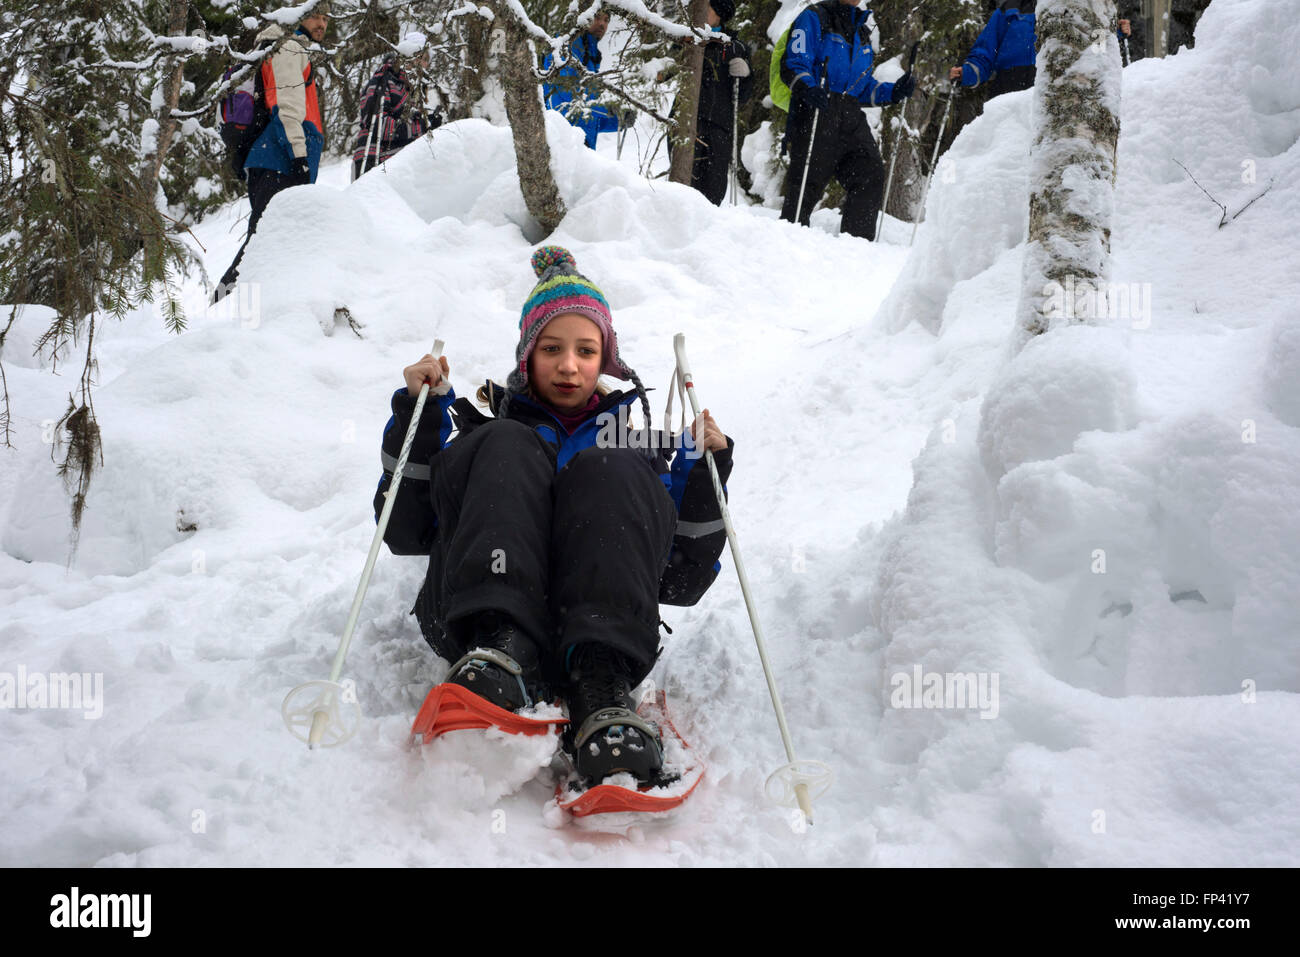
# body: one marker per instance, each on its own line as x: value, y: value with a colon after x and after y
x: 550, y: 547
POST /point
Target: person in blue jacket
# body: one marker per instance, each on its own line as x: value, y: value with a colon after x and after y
x: 1003, y: 54
x: 553, y: 532
x: 827, y: 65
x: 583, y: 112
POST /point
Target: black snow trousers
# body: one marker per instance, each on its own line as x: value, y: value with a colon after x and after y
x: 844, y: 149
x: 572, y: 557
x: 711, y: 171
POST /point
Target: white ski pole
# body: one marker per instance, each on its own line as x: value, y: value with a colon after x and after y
x: 934, y: 157
x: 812, y: 137
x: 316, y: 704
x: 798, y: 777
x: 735, y: 136
x: 366, y: 165
x: 902, y: 128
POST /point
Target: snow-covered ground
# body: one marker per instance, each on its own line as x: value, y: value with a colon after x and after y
x: 1102, y: 531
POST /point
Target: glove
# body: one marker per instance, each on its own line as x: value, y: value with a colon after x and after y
x: 738, y: 68
x: 814, y: 96
x: 301, y: 170
x: 903, y: 88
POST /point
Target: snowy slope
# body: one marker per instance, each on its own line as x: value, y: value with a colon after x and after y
x: 260, y: 425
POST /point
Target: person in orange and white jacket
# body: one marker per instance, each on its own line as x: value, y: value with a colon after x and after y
x: 288, y: 151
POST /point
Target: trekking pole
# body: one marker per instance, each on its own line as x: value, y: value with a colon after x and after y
x: 316, y: 704
x: 622, y: 135
x: 735, y: 136
x: 366, y: 166
x: 934, y: 158
x: 1123, y: 49
x: 902, y: 122
x: 796, y: 776
x: 812, y: 136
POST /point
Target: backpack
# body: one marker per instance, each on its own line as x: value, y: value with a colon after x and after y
x: 243, y: 117
x: 777, y: 87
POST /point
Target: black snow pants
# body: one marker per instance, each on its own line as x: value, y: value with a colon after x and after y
x: 572, y: 557
x: 710, y: 172
x: 844, y: 149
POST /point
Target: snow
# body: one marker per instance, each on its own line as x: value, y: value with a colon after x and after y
x: 412, y: 44
x: 1103, y: 523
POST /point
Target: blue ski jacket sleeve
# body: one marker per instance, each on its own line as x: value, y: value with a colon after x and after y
x: 815, y: 51
x: 412, y: 525
x: 1006, y: 41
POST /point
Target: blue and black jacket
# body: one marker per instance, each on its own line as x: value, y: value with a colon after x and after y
x: 586, y: 51
x: 832, y: 40
x: 1004, y: 51
x: 699, y: 537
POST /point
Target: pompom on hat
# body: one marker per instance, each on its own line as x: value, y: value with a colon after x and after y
x: 561, y: 289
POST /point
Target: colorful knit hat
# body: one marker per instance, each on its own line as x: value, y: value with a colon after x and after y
x: 562, y: 289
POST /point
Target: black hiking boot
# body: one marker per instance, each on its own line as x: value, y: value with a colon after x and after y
x: 502, y: 665
x: 605, y: 734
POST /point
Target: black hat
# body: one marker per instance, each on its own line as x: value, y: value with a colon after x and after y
x: 725, y: 9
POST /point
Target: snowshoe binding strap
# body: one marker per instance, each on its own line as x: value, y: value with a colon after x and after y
x: 613, y: 718
x: 480, y: 659
x: 616, y: 740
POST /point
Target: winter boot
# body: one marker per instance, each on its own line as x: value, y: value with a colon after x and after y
x: 502, y: 665
x: 605, y: 735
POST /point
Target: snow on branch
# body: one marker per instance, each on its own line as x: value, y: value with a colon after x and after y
x: 288, y: 16
x: 516, y: 9
x: 637, y: 9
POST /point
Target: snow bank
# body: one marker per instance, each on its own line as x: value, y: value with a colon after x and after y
x: 226, y: 530
x: 1107, y: 525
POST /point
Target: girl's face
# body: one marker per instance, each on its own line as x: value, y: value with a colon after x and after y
x: 566, y: 362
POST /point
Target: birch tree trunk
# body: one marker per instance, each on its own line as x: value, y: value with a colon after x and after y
x: 688, y: 101
x: 528, y: 124
x: 1072, y: 163
x: 171, y: 95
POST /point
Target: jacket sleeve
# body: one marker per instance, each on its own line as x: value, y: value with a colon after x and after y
x: 876, y: 93
x: 412, y: 524
x: 799, y: 65
x: 700, y: 536
x: 979, y: 62
x: 395, y: 132
x: 288, y: 65
x: 554, y: 94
